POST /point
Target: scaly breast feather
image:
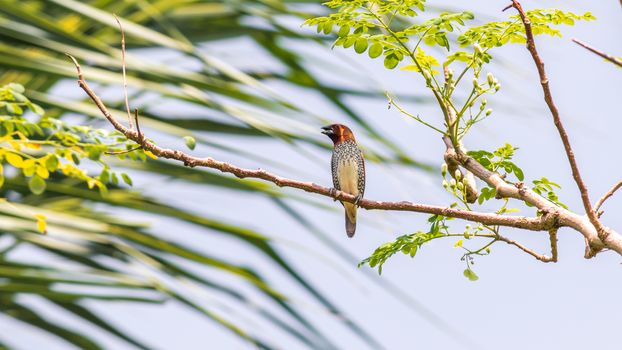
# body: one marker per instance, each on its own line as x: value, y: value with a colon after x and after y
x: 347, y: 173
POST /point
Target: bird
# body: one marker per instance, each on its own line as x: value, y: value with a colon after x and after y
x: 348, y: 169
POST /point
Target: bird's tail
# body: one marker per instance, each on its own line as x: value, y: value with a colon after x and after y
x: 350, y: 218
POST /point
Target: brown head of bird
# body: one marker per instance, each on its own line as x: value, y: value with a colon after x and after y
x: 348, y: 169
x: 338, y: 133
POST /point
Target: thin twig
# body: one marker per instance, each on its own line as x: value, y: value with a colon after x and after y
x: 415, y: 117
x: 97, y: 100
x: 141, y: 137
x: 127, y: 102
x: 124, y: 152
x: 541, y: 257
x: 607, y: 195
x: 553, y: 239
x: 608, y: 57
x: 548, y: 98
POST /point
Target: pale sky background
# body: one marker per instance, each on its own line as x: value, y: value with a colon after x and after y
x: 518, y: 302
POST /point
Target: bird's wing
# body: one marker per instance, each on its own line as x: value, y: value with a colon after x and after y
x: 334, y: 163
x: 361, y: 184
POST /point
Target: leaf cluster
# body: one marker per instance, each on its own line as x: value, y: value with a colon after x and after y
x: 40, y: 146
x: 494, y: 34
x: 407, y: 244
x: 546, y: 189
x: 498, y: 160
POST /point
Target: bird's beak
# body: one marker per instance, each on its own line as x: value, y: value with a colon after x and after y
x: 327, y: 130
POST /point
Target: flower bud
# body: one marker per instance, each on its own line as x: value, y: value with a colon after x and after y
x: 475, y: 83
x: 497, y: 87
x: 452, y: 183
x: 460, y: 186
x: 483, y: 104
x: 445, y: 184
x: 488, y: 250
x: 457, y: 175
x: 444, y: 169
x: 488, y: 111
x: 491, y: 79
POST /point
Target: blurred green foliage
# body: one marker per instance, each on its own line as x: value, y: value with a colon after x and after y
x: 66, y: 172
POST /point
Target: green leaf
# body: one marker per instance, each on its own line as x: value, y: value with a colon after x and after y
x: 319, y: 27
x: 375, y: 50
x: 190, y: 142
x: 75, y: 159
x: 518, y: 172
x: 391, y: 61
x: 51, y: 163
x: 343, y: 31
x: 328, y: 27
x: 126, y: 179
x: 413, y: 250
x: 114, y: 179
x: 441, y: 40
x: 468, y: 273
x: 360, y: 45
x: 104, y: 176
x: 36, y: 184
x: 94, y: 153
x: 467, y: 15
x: 350, y: 40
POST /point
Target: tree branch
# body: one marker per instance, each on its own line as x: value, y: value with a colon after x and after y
x: 533, y: 253
x: 608, y: 57
x: 534, y: 224
x: 552, y: 217
x: 561, y: 216
x: 452, y: 164
x: 127, y: 103
x: 607, y: 195
x: 548, y: 98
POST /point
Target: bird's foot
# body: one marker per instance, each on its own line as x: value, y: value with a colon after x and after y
x: 333, y: 193
x: 358, y: 199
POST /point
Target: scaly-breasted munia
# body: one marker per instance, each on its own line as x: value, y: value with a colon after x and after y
x: 348, y: 168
